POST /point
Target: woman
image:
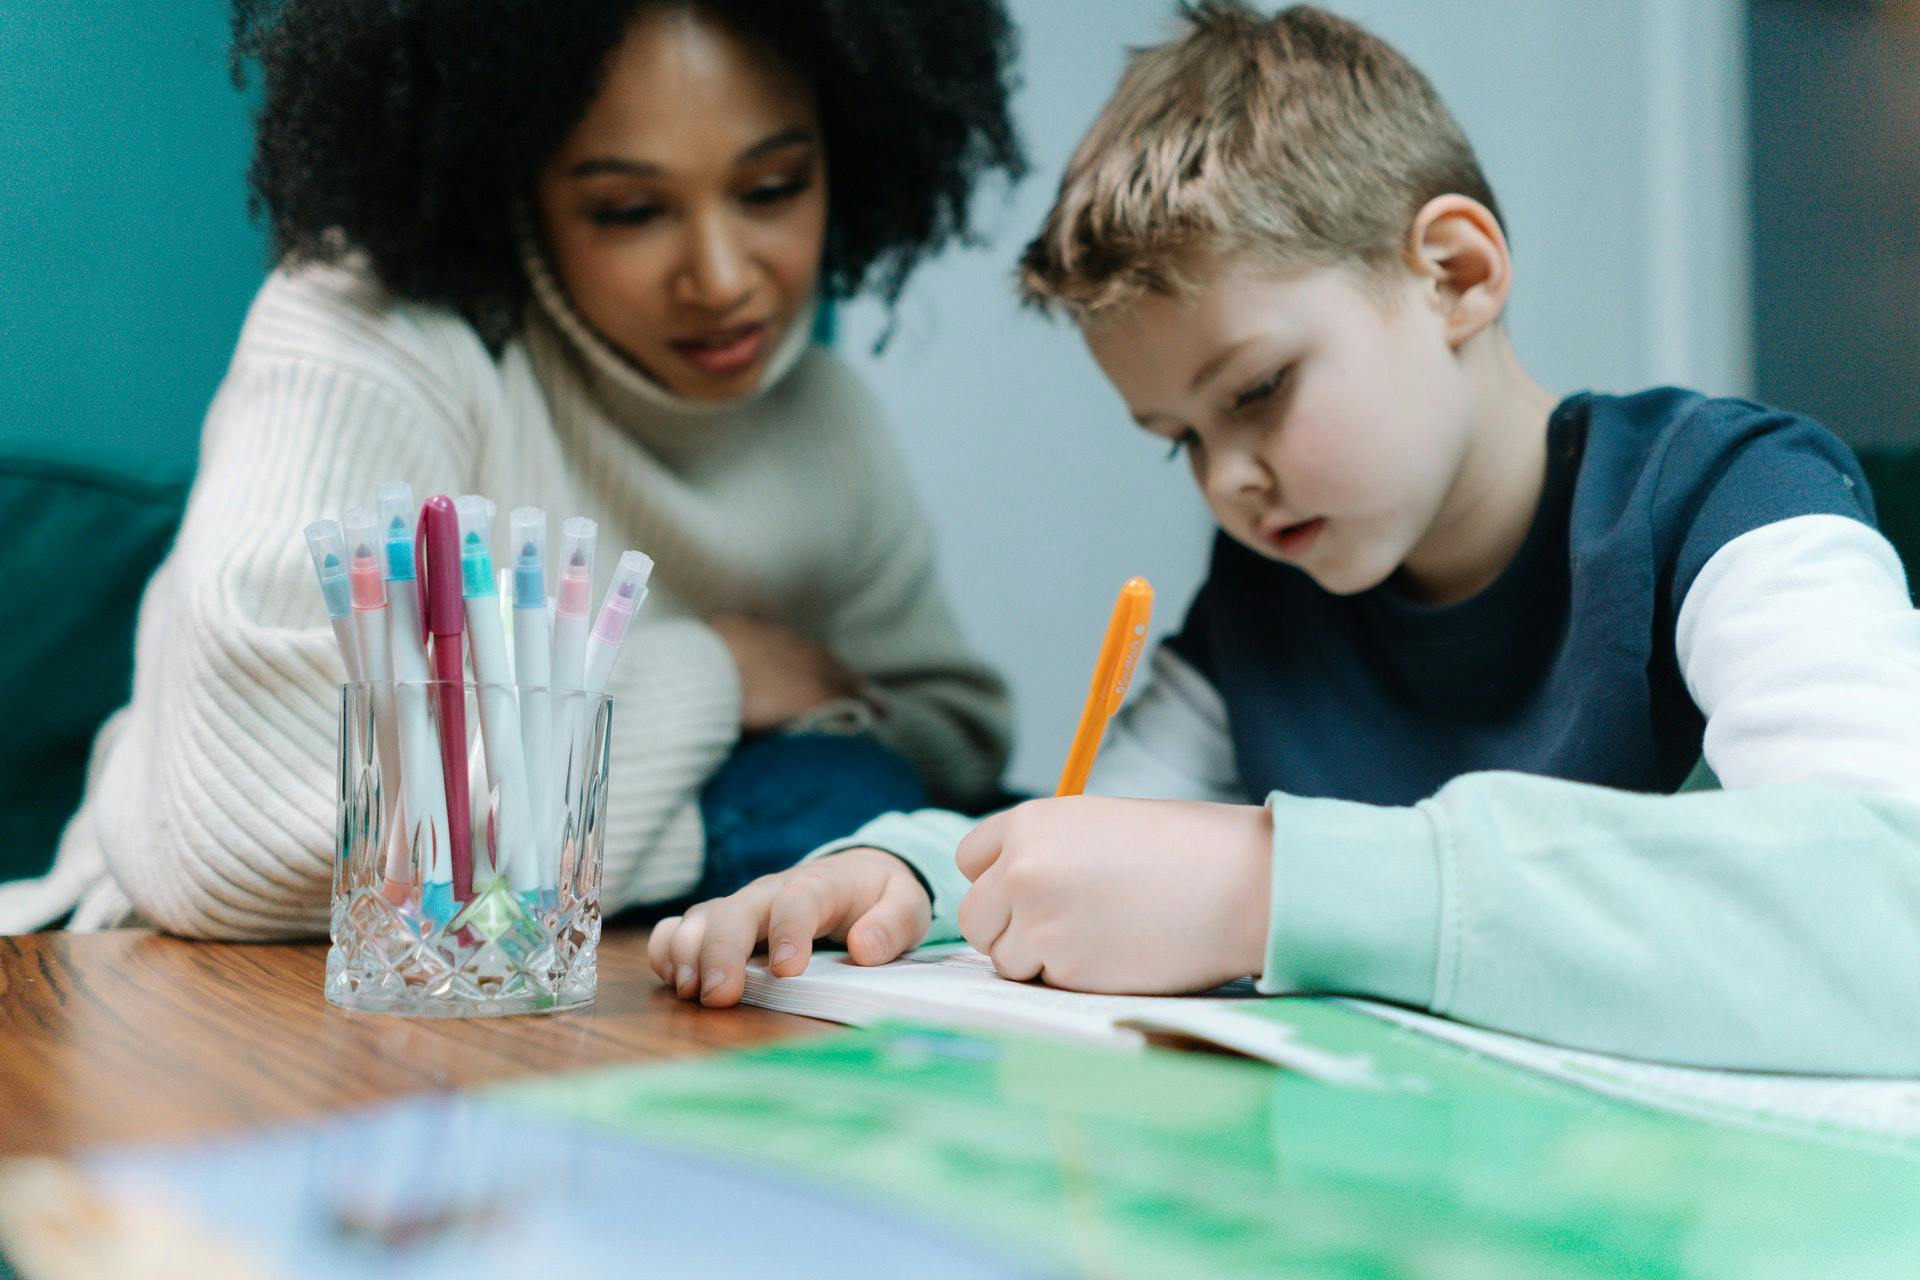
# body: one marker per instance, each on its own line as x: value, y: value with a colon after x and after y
x: 569, y: 256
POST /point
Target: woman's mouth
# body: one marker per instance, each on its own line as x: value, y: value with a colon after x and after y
x: 1293, y: 540
x: 724, y: 350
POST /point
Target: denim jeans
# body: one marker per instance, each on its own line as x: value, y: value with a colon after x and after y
x: 776, y: 799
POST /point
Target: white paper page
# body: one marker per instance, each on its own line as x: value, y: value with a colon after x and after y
x: 1889, y: 1107
x: 955, y: 985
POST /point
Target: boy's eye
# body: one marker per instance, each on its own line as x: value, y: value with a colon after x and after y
x: 1261, y: 390
x: 628, y: 215
x: 1181, y: 443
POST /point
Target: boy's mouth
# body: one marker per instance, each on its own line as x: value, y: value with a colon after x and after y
x: 1292, y: 540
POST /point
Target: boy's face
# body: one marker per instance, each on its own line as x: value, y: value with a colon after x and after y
x: 1325, y: 425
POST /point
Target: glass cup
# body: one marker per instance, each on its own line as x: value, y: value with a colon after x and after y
x: 444, y: 910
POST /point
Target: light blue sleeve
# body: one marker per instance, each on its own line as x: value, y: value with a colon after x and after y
x: 1769, y: 928
x: 925, y: 840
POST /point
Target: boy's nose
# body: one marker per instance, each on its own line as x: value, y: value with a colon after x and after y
x: 1238, y: 474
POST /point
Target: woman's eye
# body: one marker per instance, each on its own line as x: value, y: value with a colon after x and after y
x: 1184, y: 441
x: 630, y: 215
x: 775, y: 192
x: 1261, y: 390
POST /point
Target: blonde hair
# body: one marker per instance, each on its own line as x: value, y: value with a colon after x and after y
x: 1301, y: 138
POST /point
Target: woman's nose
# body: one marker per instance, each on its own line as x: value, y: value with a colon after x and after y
x: 717, y: 273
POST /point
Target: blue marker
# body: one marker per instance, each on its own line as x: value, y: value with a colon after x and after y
x: 500, y: 733
x: 327, y: 544
x: 422, y: 783
x: 533, y: 658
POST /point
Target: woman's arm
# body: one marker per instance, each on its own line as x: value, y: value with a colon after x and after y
x: 212, y: 802
x: 930, y: 697
x: 211, y: 798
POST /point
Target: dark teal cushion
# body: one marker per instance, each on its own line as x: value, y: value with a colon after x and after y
x: 1893, y: 473
x: 80, y: 543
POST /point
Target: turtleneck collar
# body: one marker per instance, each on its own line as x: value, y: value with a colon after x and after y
x: 624, y: 385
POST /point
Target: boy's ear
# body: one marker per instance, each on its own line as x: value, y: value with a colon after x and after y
x: 1455, y: 246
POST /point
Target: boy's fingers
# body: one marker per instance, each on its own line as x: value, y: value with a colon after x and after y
x: 658, y: 953
x: 808, y: 907
x: 1012, y: 957
x: 985, y: 911
x: 980, y: 848
x: 891, y: 926
x: 734, y: 926
x: 683, y: 951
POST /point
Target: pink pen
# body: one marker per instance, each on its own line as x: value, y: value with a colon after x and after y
x: 436, y: 566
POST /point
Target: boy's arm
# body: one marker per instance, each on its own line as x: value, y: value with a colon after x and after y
x: 1765, y: 929
x: 1798, y: 643
x: 925, y: 841
x: 1769, y: 926
x: 1169, y: 743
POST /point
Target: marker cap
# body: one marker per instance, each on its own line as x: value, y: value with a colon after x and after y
x: 624, y: 597
x: 577, y: 536
x: 475, y: 515
x: 362, y: 530
x: 528, y: 526
x: 328, y: 547
x: 394, y: 502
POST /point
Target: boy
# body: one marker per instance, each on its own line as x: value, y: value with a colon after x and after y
x: 1463, y: 640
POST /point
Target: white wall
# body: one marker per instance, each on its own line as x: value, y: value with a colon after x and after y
x: 1613, y: 138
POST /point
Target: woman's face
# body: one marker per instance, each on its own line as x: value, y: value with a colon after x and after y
x: 687, y: 211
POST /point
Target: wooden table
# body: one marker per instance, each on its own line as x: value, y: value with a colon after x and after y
x: 125, y: 1036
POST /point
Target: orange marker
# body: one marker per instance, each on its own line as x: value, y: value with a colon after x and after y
x: 1119, y: 654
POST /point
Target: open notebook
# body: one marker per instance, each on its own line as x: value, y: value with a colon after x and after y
x: 954, y: 985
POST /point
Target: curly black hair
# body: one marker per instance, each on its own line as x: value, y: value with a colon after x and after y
x: 410, y: 130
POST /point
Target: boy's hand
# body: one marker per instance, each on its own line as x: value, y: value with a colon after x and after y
x: 783, y: 674
x: 1134, y: 896
x: 864, y: 897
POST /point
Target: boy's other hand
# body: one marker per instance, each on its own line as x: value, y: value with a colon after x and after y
x: 1133, y: 896
x: 866, y: 898
x: 783, y: 674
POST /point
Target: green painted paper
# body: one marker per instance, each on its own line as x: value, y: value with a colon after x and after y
x: 1159, y: 1164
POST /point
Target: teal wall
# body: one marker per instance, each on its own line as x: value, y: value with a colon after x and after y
x: 126, y: 264
x: 129, y: 256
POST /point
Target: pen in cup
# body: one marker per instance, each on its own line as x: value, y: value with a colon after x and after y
x: 499, y: 711
x: 328, y: 547
x: 437, y: 567
x: 362, y: 529
x: 570, y: 623
x: 420, y: 776
x: 624, y: 597
x: 533, y: 671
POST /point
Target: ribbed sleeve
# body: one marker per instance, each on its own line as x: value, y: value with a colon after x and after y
x: 210, y: 804
x: 213, y: 805
x: 676, y: 714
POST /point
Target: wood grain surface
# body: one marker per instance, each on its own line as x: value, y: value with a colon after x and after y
x: 129, y: 1035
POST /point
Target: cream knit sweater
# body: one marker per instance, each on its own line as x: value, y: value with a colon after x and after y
x: 209, y: 809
